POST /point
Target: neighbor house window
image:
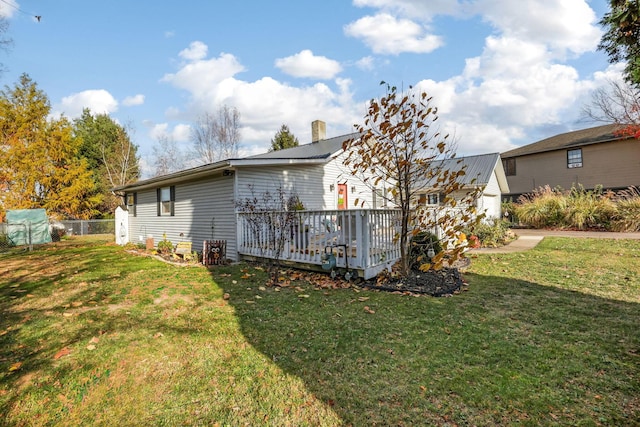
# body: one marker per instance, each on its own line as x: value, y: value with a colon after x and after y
x: 433, y: 199
x: 574, y: 158
x: 132, y: 201
x: 166, y: 199
x: 428, y: 199
x: 509, y: 166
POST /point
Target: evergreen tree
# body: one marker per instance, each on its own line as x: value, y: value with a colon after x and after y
x: 621, y: 40
x: 41, y: 166
x: 283, y: 139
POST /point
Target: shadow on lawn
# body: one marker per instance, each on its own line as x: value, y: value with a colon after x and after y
x: 507, y: 351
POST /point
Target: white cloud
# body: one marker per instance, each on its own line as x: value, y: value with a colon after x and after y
x: 414, y: 8
x: 561, y: 25
x: 264, y: 104
x: 130, y: 101
x: 8, y: 8
x: 98, y: 101
x: 306, y: 64
x: 196, y: 50
x: 204, y: 74
x: 386, y: 34
x: 366, y: 63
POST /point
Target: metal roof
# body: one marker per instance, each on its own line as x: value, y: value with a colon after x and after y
x: 578, y: 138
x: 316, y: 150
x: 478, y: 170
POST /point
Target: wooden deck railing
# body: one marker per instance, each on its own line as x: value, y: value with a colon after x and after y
x: 364, y: 240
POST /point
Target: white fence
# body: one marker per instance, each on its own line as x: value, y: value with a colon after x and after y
x: 364, y: 240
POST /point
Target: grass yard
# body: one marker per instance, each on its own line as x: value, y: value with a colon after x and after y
x: 93, y: 335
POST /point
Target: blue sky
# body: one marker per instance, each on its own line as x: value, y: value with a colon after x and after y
x: 503, y: 73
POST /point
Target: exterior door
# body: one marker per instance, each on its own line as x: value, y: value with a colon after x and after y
x: 342, y: 196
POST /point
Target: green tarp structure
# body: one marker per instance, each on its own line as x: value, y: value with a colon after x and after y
x: 28, y: 227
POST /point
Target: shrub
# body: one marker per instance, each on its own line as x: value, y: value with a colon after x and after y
x: 165, y: 246
x: 492, y: 233
x: 420, y: 244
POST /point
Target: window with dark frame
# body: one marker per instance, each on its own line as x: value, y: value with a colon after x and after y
x: 166, y: 197
x: 574, y: 158
x: 132, y: 201
x: 509, y: 166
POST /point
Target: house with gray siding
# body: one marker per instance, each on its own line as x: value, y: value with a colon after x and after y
x: 201, y: 203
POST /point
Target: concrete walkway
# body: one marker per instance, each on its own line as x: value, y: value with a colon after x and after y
x: 528, y: 239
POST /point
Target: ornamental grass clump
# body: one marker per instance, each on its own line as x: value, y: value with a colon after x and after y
x: 588, y: 209
x: 627, y: 212
x: 545, y: 207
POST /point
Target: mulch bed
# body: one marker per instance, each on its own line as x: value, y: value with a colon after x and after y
x: 437, y: 283
x: 444, y: 282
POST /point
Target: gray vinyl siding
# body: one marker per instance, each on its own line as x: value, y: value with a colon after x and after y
x: 312, y: 183
x: 305, y: 181
x: 198, y: 206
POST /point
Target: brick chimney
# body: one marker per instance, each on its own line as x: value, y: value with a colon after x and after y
x: 318, y: 130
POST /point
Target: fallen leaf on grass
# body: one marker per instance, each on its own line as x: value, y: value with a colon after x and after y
x: 245, y: 276
x: 226, y: 297
x: 62, y: 352
x: 303, y: 296
x: 94, y: 340
x: 15, y: 366
x: 158, y: 335
x: 368, y: 310
x: 67, y: 314
x: 91, y: 347
x: 362, y: 299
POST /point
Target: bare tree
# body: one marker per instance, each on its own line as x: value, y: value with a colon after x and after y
x: 618, y: 103
x: 121, y: 160
x: 216, y: 136
x: 270, y: 216
x: 167, y: 156
x: 5, y: 42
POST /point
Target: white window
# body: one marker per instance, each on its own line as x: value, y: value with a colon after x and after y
x: 166, y: 199
x: 574, y: 158
x: 131, y: 203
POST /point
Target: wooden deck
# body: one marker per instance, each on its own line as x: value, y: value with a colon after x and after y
x: 363, y: 239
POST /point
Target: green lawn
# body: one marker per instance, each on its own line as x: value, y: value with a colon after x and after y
x: 93, y: 335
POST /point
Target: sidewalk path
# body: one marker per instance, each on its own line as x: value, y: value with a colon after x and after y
x: 528, y: 239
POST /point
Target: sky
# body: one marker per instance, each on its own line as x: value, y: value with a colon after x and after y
x: 502, y: 73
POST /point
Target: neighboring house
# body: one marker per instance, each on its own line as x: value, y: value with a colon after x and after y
x: 598, y: 156
x: 483, y: 171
